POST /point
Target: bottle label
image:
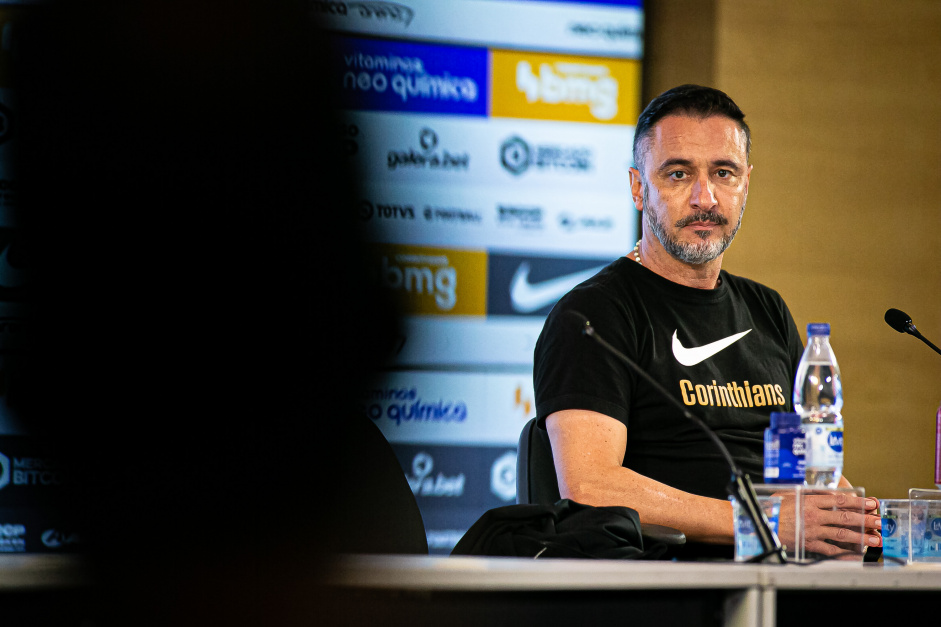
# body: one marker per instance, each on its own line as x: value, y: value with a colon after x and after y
x: 791, y: 458
x: 747, y: 544
x: 931, y: 548
x: 823, y: 446
x: 894, y: 537
x: 771, y: 456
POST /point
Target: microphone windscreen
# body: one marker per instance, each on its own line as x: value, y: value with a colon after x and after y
x: 898, y: 320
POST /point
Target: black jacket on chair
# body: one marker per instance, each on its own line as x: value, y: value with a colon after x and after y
x: 563, y: 529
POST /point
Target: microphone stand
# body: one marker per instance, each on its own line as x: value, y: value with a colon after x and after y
x: 740, y: 485
x: 913, y: 331
x: 902, y: 322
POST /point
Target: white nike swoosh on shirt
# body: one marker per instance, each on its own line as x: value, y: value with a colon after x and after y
x: 693, y: 356
x: 527, y: 297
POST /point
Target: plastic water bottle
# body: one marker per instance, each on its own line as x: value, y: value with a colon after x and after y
x: 818, y: 398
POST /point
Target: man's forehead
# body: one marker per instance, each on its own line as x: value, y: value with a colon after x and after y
x: 682, y: 136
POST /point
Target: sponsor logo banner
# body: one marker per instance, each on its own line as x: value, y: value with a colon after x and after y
x: 410, y: 77
x: 449, y: 216
x: 465, y: 408
x: 427, y: 155
x: 30, y: 471
x: 380, y: 12
x: 521, y: 285
x: 449, y: 342
x: 435, y: 281
x: 518, y: 156
x: 588, y: 28
x: 28, y: 530
x: 410, y: 148
x: 460, y: 475
x: 569, y: 88
x: 455, y: 485
x: 483, y: 152
x: 543, y: 222
x: 527, y: 217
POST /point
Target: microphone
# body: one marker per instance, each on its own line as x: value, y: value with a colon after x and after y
x: 902, y: 322
x: 740, y: 485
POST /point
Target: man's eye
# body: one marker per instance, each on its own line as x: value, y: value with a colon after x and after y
x: 676, y: 176
x: 724, y: 173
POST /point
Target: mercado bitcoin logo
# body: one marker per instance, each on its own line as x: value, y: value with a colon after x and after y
x: 567, y: 88
x: 434, y: 280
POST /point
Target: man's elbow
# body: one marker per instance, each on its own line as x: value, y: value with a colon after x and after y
x: 586, y: 490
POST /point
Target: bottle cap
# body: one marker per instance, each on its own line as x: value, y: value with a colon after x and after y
x: 780, y: 419
x: 818, y: 328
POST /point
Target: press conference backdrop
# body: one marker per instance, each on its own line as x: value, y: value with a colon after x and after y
x: 29, y: 474
x: 492, y: 141
x: 11, y: 276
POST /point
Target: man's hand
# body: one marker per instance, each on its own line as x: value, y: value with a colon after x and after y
x: 834, y: 523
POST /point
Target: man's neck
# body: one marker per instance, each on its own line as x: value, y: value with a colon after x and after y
x: 656, y: 259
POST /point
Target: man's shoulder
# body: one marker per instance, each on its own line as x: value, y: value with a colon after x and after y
x: 744, y: 285
x: 605, y: 294
x: 755, y: 296
x: 611, y: 278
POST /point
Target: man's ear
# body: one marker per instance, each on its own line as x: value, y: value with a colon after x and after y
x: 748, y: 179
x: 637, y: 189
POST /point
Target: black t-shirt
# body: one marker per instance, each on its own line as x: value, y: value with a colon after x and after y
x: 740, y: 348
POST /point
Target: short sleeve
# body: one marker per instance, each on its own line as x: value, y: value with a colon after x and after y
x: 572, y: 370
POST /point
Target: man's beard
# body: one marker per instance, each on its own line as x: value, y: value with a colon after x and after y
x: 697, y: 253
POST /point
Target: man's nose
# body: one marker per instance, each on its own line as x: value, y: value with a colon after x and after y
x: 703, y: 195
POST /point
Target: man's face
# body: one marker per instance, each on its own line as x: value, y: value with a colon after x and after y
x: 694, y: 185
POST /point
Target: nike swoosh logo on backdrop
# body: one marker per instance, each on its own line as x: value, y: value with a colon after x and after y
x: 528, y: 297
x: 693, y: 356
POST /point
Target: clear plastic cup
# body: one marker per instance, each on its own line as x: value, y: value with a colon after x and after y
x: 903, y: 529
x: 747, y: 544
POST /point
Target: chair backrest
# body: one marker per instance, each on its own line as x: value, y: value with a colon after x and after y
x: 536, y: 480
x: 373, y: 509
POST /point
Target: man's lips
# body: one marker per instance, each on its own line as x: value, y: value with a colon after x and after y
x: 708, y: 221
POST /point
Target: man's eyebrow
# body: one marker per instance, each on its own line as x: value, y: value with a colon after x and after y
x: 729, y: 163
x: 669, y: 163
x: 726, y: 163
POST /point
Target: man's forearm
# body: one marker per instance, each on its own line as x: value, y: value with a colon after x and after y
x: 700, y: 518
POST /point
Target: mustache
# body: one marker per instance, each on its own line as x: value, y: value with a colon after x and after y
x: 703, y: 216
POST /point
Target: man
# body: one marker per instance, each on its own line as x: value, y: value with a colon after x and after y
x: 727, y: 347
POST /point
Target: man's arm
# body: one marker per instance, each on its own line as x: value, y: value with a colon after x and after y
x: 588, y: 449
